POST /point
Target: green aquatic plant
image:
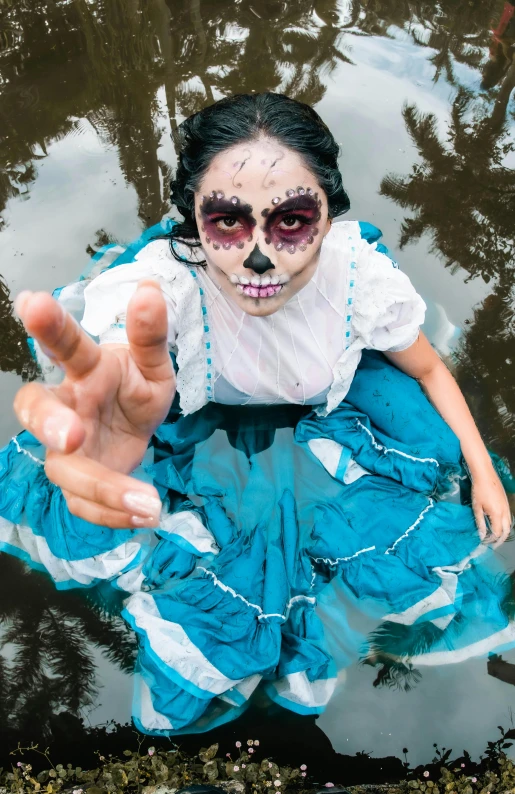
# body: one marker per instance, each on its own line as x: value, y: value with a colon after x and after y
x: 162, y: 771
x: 144, y: 771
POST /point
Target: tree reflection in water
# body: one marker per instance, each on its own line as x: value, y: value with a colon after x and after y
x: 457, y: 31
x: 467, y: 176
x: 14, y: 351
x: 69, y: 67
x: 46, y: 638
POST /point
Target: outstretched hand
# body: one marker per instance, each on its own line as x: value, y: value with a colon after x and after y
x: 97, y: 423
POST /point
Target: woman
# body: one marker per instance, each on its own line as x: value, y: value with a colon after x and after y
x: 278, y: 469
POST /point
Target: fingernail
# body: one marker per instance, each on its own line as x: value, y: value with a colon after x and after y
x: 55, y: 431
x: 21, y: 300
x: 141, y: 503
x: 147, y: 521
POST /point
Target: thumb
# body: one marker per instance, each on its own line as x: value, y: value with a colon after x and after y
x: 147, y: 331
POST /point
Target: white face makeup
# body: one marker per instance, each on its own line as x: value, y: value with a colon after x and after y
x: 262, y: 217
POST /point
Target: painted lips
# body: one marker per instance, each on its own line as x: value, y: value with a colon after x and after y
x: 259, y: 292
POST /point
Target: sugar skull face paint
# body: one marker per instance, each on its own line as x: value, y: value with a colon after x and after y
x: 226, y: 221
x: 261, y: 241
x: 291, y: 224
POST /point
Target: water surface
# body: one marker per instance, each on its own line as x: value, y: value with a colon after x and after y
x: 419, y: 96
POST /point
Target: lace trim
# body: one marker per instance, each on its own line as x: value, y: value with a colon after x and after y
x: 261, y: 615
x: 19, y: 448
x: 412, y: 527
x: 343, y: 559
x: 385, y: 450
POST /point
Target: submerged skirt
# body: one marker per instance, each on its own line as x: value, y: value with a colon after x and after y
x: 278, y: 525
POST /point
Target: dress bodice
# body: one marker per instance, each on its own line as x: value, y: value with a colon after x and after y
x: 305, y: 353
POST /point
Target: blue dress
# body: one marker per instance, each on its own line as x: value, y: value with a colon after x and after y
x: 265, y: 542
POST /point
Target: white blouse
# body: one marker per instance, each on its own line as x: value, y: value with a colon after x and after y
x: 305, y: 353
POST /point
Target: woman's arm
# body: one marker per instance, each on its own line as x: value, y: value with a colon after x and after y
x: 488, y: 496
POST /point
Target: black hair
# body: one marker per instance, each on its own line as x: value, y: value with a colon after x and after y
x: 242, y: 118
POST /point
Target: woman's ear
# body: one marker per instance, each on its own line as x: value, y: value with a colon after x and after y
x: 328, y: 226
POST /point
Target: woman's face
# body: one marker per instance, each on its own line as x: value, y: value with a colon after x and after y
x: 262, y: 217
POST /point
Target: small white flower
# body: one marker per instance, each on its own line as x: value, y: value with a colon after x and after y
x: 251, y: 749
x: 463, y: 766
x: 256, y: 742
x: 269, y: 765
x: 303, y: 767
x: 236, y: 768
x: 303, y: 774
x: 474, y: 779
x: 250, y: 742
x: 244, y: 766
x: 329, y: 785
x: 151, y: 750
x: 238, y: 744
x: 277, y: 783
x: 426, y: 774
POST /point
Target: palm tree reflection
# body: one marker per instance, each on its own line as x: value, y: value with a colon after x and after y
x: 468, y: 177
x: 47, y: 639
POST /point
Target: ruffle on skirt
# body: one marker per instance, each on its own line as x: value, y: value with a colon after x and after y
x: 275, y: 523
x: 267, y: 511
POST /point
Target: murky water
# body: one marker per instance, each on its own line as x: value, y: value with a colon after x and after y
x: 419, y: 97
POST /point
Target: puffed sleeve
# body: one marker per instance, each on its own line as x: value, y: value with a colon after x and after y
x: 388, y: 311
x: 107, y: 296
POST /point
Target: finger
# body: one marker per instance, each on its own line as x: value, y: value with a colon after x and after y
x: 96, y: 514
x: 58, y: 333
x: 92, y: 482
x: 496, y: 526
x: 480, y: 521
x: 42, y: 413
x: 507, y: 527
x: 147, y: 331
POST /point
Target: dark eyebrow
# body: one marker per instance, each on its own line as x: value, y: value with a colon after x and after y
x: 214, y: 205
x: 291, y: 205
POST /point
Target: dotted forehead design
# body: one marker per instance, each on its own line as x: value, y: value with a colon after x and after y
x: 219, y: 194
x: 290, y: 193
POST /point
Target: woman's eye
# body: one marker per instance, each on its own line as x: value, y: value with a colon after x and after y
x: 290, y: 222
x: 226, y: 224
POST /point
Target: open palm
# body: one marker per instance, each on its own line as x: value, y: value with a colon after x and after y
x: 97, y: 423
